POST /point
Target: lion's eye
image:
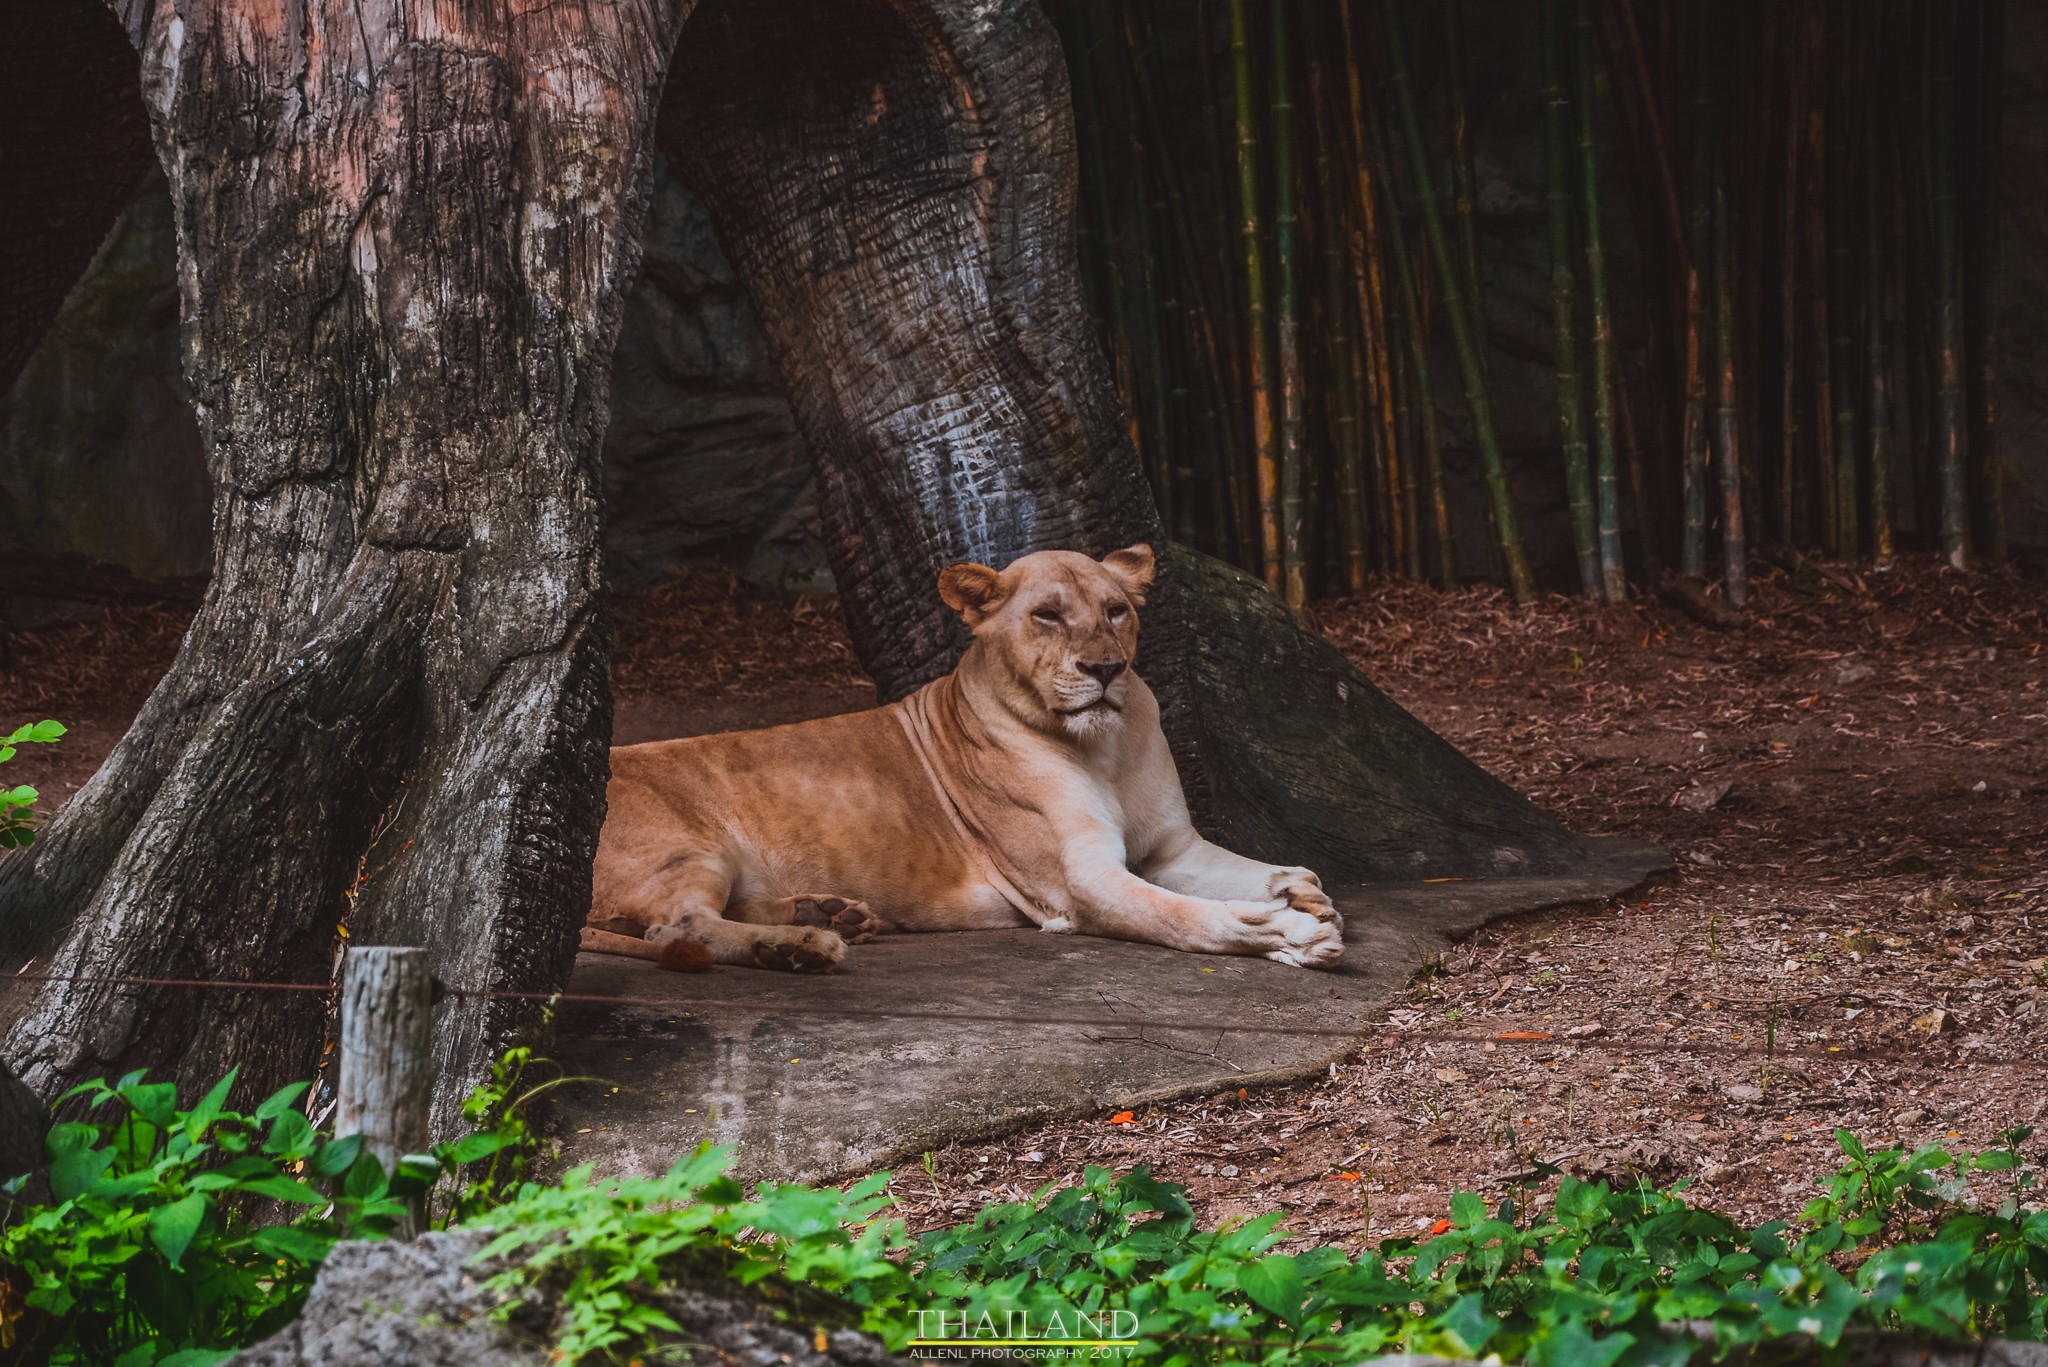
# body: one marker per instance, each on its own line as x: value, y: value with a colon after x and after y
x: 1118, y: 611
x: 1046, y: 615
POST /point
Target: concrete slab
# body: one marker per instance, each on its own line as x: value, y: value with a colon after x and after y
x: 930, y: 1039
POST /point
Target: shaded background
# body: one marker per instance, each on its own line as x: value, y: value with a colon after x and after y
x: 100, y: 458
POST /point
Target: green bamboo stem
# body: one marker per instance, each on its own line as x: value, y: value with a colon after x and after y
x: 1281, y: 107
x: 1500, y: 499
x: 1693, y: 549
x: 1265, y: 446
x: 1606, y: 482
x: 1557, y: 167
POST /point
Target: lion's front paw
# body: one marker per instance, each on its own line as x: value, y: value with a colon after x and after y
x: 1303, y: 890
x: 801, y: 949
x: 1308, y: 940
x: 1311, y: 900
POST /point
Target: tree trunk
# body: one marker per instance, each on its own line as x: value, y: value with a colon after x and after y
x: 404, y: 233
x: 895, y: 182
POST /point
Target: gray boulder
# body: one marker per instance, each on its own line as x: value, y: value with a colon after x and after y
x: 421, y: 1304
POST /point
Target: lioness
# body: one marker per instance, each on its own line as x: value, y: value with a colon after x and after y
x: 1032, y: 785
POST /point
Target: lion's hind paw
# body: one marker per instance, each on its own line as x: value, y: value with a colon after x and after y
x: 853, y: 921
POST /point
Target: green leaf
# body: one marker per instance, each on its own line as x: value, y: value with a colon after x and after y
x: 365, y: 1180
x: 155, y: 1102
x: 1572, y: 1345
x: 196, y: 1357
x: 1997, y: 1160
x: 292, y: 1244
x: 172, y: 1227
x: 209, y: 1108
x: 1275, y: 1284
x: 280, y: 1101
x: 71, y: 1173
x: 1468, y: 1322
x: 279, y: 1187
x: 43, y: 732
x: 1467, y: 1210
x: 472, y: 1147
x: 291, y: 1137
x: 337, y: 1156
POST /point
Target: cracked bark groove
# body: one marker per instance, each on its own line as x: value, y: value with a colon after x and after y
x: 895, y: 183
x: 404, y: 233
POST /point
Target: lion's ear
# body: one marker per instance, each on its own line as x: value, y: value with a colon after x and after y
x: 971, y: 590
x: 1134, y: 567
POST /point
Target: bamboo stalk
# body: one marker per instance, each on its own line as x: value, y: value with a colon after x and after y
x: 1464, y: 200
x: 1281, y: 106
x: 1520, y: 581
x: 1949, y: 421
x: 1578, y: 474
x: 1876, y: 364
x: 1606, y: 485
x: 1201, y: 453
x: 1842, y: 285
x: 1727, y: 417
x: 1980, y: 265
x: 1347, y: 363
x: 1788, y: 299
x: 1240, y: 515
x: 1817, y: 273
x: 1420, y: 390
x: 1265, y: 447
x: 1693, y: 550
x: 1369, y: 282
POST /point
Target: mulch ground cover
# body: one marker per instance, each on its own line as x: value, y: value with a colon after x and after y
x: 1853, y: 784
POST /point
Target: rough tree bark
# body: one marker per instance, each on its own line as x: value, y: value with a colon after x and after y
x: 895, y: 182
x: 404, y: 231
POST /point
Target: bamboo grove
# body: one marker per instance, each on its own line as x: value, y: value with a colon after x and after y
x: 1764, y: 231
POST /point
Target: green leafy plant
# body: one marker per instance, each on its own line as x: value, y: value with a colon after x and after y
x: 17, y: 804
x: 609, y: 1247
x: 492, y: 1162
x: 150, y: 1254
x: 1635, y: 1276
x: 162, y: 1245
x: 143, y: 1257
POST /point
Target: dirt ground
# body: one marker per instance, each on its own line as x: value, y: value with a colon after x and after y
x: 1854, y: 787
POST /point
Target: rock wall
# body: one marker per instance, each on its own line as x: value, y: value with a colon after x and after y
x: 100, y: 455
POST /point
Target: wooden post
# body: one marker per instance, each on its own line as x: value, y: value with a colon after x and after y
x: 386, y: 1082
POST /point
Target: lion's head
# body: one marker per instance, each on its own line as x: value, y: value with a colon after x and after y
x: 1059, y: 629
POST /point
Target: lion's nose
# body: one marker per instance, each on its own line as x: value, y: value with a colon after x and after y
x: 1105, y: 670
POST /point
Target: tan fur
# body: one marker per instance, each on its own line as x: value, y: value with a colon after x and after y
x: 1020, y: 789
